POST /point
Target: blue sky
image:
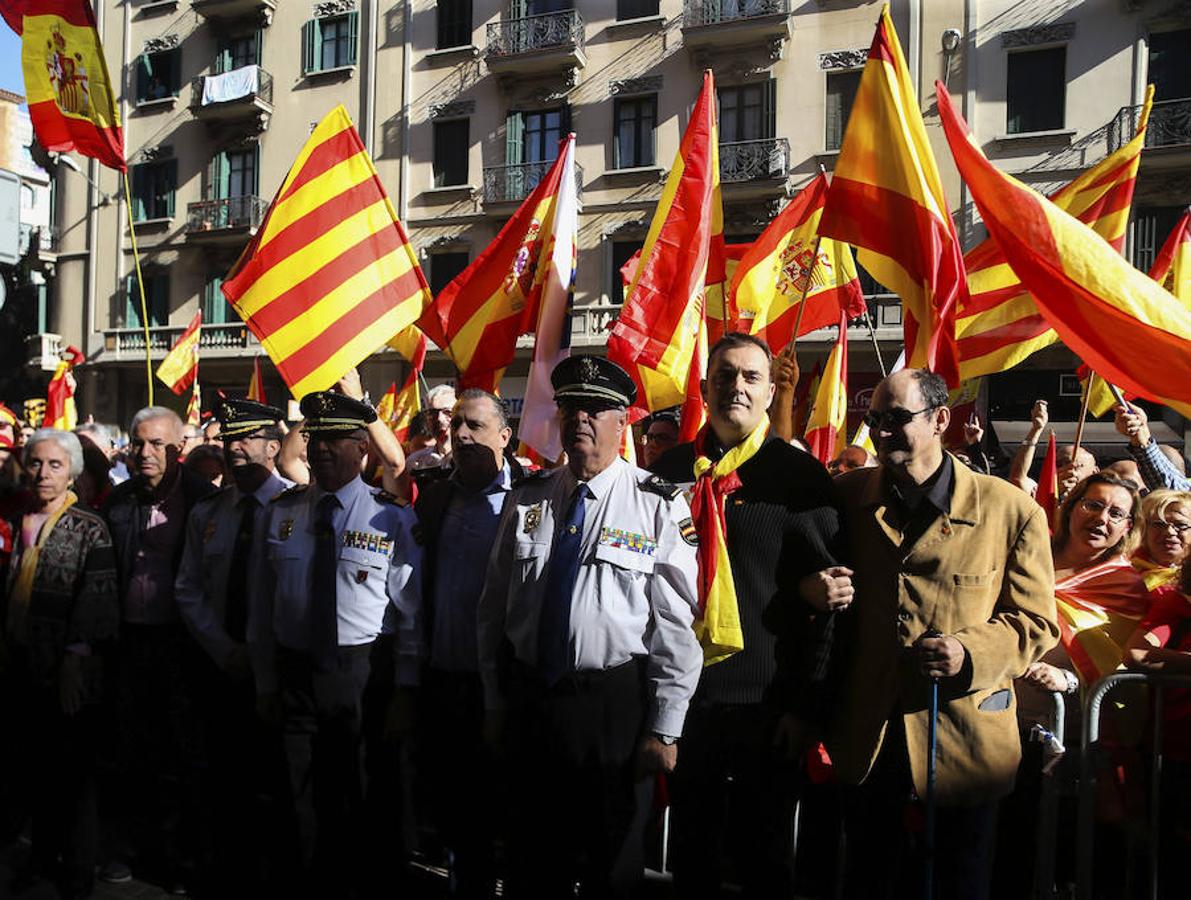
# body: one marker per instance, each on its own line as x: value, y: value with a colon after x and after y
x: 11, y: 78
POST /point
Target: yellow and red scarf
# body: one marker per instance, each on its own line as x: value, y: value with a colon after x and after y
x: 1155, y: 575
x: 21, y: 593
x: 718, y: 625
x: 1099, y: 608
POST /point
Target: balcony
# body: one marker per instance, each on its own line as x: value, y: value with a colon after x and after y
x: 710, y: 25
x: 512, y: 184
x: 43, y: 351
x: 589, y: 326
x: 241, y: 96
x: 754, y: 168
x: 1169, y: 125
x: 548, y: 44
x: 219, y: 340
x: 260, y: 11
x: 227, y: 220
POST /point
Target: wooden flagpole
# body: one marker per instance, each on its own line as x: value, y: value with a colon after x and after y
x: 1083, y: 414
x: 140, y: 283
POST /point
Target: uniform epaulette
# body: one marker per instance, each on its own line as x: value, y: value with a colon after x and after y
x: 386, y: 497
x: 291, y: 491
x: 218, y: 492
x: 655, y: 484
x: 527, y: 477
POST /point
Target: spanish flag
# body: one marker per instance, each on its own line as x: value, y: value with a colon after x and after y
x: 1114, y: 317
x: 1172, y: 265
x: 478, y: 317
x: 827, y: 425
x: 886, y: 200
x: 999, y: 325
x: 256, y: 384
x: 788, y: 263
x: 330, y: 276
x: 60, y: 410
x: 179, y: 369
x: 1099, y: 608
x: 194, y: 409
x: 407, y: 402
x: 67, y: 86
x: 664, y: 317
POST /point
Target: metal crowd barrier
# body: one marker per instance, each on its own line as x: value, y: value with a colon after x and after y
x: 1087, y: 778
x: 1048, y: 808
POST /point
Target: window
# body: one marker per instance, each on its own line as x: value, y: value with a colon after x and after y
x: 233, y: 173
x: 157, y: 299
x: 238, y: 52
x: 635, y: 118
x: 330, y: 43
x: 158, y: 75
x: 531, y: 136
x: 216, y: 309
x: 443, y: 269
x: 1151, y: 227
x: 1035, y: 93
x: 451, y: 144
x: 622, y: 252
x: 841, y: 91
x: 454, y: 23
x: 153, y: 186
x: 635, y: 9
x: 747, y: 113
x: 1170, y: 65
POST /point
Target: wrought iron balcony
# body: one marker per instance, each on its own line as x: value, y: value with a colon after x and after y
x: 763, y: 160
x: 512, y: 184
x: 696, y: 13
x: 1169, y: 125
x: 130, y: 342
x: 536, y: 45
x: 259, y: 10
x: 589, y: 325
x: 244, y: 93
x: 224, y: 217
x: 707, y: 24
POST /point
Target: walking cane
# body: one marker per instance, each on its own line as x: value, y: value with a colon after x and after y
x: 932, y: 745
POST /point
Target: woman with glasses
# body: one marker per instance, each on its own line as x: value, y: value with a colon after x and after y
x: 1165, y: 537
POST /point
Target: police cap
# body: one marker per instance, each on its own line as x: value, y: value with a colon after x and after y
x: 327, y: 412
x: 592, y: 380
x: 238, y: 418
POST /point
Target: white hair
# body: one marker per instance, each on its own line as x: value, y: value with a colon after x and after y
x: 68, y: 441
x: 104, y: 433
x: 439, y: 390
x: 157, y: 412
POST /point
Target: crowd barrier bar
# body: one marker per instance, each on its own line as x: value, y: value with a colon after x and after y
x: 1048, y: 806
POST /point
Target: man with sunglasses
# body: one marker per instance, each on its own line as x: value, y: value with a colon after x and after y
x: 953, y: 581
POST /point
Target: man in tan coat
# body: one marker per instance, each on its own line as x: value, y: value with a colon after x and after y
x: 953, y: 580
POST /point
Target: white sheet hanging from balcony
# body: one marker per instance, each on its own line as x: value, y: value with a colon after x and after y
x: 242, y: 82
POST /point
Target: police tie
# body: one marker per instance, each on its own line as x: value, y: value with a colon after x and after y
x: 554, y: 624
x: 235, y: 617
x: 324, y: 614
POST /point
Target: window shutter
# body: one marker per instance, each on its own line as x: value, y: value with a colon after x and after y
x: 833, y: 118
x: 175, y: 66
x: 159, y: 300
x: 312, y: 46
x: 353, y: 37
x: 514, y: 138
x: 132, y: 301
x: 223, y: 62
x: 144, y: 71
x: 769, y: 109
x: 518, y: 9
x: 257, y: 40
x: 171, y: 175
x: 564, y: 123
x: 138, y: 193
x: 216, y: 175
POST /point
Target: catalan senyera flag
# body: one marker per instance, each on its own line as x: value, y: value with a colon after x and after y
x: 179, y: 369
x: 330, y: 276
x: 60, y: 409
x: 999, y: 325
x: 256, y: 384
x: 656, y: 336
x: 194, y: 409
x: 782, y: 266
x: 1115, y: 318
x: 827, y: 426
x: 886, y: 200
x: 407, y: 402
x: 477, y: 318
x: 71, y: 101
x: 1172, y: 265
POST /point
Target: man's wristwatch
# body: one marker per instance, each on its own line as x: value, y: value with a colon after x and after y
x: 666, y: 739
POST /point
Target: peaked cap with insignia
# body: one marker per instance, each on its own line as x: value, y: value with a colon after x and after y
x: 327, y: 412
x: 594, y: 380
x: 238, y: 418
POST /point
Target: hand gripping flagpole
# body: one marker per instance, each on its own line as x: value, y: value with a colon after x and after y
x: 140, y: 283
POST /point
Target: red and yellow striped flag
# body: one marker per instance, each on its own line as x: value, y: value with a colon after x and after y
x: 407, y: 402
x: 60, y: 409
x: 886, y: 200
x: 477, y: 318
x: 781, y: 266
x: 331, y: 275
x: 194, y: 409
x: 1172, y: 265
x: 827, y: 425
x: 256, y: 384
x: 1047, y: 492
x: 656, y: 337
x: 999, y: 324
x: 179, y: 369
x: 1112, y: 316
x: 67, y: 85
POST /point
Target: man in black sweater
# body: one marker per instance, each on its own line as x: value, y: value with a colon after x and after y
x: 768, y: 505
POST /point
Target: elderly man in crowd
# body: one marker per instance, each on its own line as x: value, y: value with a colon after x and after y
x: 953, y: 582
x: 434, y: 461
x: 587, y: 654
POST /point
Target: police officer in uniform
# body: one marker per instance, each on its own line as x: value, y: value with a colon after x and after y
x: 587, y: 653
x: 336, y: 627
x: 222, y: 533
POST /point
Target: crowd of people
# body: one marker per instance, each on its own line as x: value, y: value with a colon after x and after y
x: 268, y: 658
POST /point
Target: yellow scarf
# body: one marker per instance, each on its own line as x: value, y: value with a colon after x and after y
x: 718, y: 625
x: 22, y: 588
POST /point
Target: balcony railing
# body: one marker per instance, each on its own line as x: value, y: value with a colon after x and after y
x: 697, y: 13
x: 549, y: 31
x: 1169, y: 125
x: 754, y: 160
x: 225, y: 214
x: 511, y: 184
x: 262, y: 10
x: 589, y: 325
x: 42, y: 351
x: 239, y: 87
x: 129, y: 341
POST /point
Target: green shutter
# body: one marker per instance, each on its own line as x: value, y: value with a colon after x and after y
x: 223, y: 62
x: 132, y: 302
x: 518, y: 9
x: 353, y: 37
x: 144, y: 71
x: 515, y: 138
x: 312, y: 46
x: 138, y: 193
x: 217, y: 176
x: 171, y: 174
x: 175, y: 64
x: 769, y: 109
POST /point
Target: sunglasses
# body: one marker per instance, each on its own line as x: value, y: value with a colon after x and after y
x: 898, y: 417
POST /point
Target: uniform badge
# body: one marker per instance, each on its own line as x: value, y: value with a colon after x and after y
x: 533, y: 518
x: 286, y: 529
x: 209, y: 531
x: 686, y: 528
x: 361, y: 576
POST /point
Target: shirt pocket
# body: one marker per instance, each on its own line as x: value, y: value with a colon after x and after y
x: 633, y: 562
x: 361, y: 565
x: 529, y: 559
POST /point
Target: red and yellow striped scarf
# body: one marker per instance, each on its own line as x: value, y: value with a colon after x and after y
x: 718, y: 625
x: 1099, y: 607
x: 1155, y: 575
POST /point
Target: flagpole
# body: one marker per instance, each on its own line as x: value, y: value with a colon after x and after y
x: 876, y: 346
x: 140, y: 283
x: 806, y: 288
x: 1083, y: 414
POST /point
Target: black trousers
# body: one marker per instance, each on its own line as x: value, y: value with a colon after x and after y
x: 577, y: 812
x: 883, y: 828
x: 732, y: 805
x: 459, y: 781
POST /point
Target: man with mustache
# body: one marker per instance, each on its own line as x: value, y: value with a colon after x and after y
x: 587, y: 655
x: 222, y: 534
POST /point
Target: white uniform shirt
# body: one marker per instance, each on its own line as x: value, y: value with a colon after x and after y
x: 379, y: 577
x: 635, y: 594
x: 201, y: 585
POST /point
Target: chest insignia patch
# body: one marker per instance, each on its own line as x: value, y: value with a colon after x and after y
x: 370, y: 541
x: 209, y: 531
x: 361, y: 576
x: 627, y: 540
x: 285, y: 529
x: 686, y: 528
x: 533, y: 518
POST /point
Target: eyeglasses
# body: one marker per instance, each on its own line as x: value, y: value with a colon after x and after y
x: 1179, y: 528
x: 654, y: 438
x: 1116, y: 515
x: 898, y: 417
